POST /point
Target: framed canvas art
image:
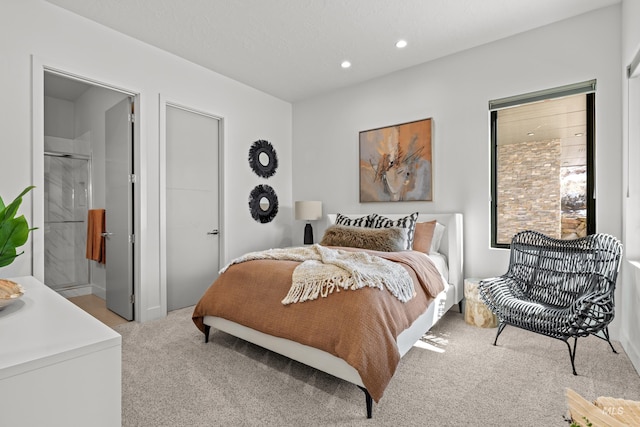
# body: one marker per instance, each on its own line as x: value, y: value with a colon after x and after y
x: 395, y: 163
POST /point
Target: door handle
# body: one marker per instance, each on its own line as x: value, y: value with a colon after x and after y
x: 213, y: 232
x: 106, y: 234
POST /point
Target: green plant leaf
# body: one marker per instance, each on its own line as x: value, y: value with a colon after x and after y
x: 11, y: 210
x: 8, y: 256
x: 14, y: 232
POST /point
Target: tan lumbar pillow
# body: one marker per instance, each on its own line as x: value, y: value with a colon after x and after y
x: 392, y: 239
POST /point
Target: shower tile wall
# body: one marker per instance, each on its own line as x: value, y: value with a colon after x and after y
x: 66, y: 205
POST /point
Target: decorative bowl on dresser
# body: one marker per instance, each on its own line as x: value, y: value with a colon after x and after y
x: 9, y: 292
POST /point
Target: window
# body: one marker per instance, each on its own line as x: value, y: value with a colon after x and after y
x: 542, y: 155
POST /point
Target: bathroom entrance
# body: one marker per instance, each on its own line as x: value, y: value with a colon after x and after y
x: 89, y: 191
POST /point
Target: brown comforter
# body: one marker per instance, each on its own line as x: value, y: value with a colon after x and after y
x: 359, y: 326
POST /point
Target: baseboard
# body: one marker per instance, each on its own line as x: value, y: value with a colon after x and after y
x: 633, y: 352
x: 75, y: 291
x: 89, y: 289
x: 99, y: 291
x: 626, y: 336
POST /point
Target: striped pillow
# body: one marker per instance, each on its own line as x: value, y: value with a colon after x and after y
x: 363, y: 221
x: 408, y: 222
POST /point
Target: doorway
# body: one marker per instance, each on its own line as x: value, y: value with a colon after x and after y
x: 192, y: 248
x: 91, y: 123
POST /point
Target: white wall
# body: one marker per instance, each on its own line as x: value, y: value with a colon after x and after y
x: 455, y: 91
x: 62, y: 40
x: 58, y: 121
x: 630, y: 286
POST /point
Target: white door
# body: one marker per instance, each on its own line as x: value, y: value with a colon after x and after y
x: 119, y: 202
x: 192, y: 244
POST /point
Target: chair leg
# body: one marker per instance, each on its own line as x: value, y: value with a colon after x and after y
x: 605, y: 331
x: 572, y: 353
x: 500, y: 329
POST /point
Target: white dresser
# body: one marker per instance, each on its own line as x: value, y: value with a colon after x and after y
x: 59, y: 366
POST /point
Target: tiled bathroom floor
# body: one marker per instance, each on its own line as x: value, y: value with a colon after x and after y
x: 97, y: 307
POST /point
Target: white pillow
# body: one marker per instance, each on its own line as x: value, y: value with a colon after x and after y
x: 438, y: 232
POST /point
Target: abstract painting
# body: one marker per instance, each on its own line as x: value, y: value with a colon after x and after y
x: 395, y: 163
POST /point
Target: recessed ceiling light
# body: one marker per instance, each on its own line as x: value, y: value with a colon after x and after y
x: 579, y: 134
x: 345, y: 64
x: 401, y: 43
x: 531, y: 134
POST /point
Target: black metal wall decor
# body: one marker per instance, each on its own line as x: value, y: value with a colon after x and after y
x: 263, y: 203
x: 263, y: 159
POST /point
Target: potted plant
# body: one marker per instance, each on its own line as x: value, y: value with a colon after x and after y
x: 14, y: 232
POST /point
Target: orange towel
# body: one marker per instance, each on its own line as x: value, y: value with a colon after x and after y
x: 96, y: 245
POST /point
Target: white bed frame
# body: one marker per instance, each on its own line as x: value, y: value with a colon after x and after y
x: 451, y: 247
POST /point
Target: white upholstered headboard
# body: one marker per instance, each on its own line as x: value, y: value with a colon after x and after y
x: 451, y: 245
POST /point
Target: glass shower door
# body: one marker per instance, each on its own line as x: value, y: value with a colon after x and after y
x: 66, y: 182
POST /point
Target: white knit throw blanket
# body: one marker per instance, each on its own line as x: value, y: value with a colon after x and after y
x: 323, y: 271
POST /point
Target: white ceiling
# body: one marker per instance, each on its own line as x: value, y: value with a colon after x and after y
x: 292, y: 49
x: 64, y: 88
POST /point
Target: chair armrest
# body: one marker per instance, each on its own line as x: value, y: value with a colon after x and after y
x: 493, y: 291
x: 592, y: 312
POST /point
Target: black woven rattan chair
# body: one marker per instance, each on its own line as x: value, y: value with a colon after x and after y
x: 559, y: 288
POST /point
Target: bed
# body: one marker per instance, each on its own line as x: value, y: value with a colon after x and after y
x: 221, y: 310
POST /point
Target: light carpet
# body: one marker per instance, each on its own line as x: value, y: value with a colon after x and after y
x: 170, y: 377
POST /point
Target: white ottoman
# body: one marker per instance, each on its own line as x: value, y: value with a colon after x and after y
x: 475, y: 312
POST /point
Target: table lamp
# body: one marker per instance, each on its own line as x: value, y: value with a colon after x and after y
x: 308, y: 211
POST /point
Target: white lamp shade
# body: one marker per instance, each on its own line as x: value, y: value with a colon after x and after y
x: 308, y: 210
